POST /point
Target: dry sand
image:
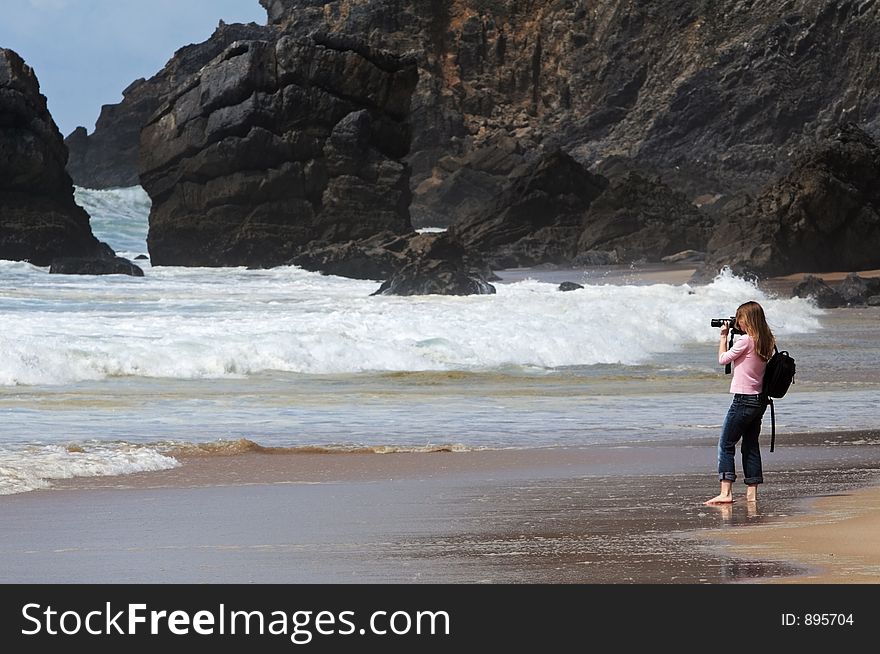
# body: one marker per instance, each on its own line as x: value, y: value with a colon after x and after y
x: 838, y: 540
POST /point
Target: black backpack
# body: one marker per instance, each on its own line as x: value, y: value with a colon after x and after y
x: 778, y: 376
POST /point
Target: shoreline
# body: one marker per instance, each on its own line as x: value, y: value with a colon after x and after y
x: 834, y: 540
x: 599, y: 514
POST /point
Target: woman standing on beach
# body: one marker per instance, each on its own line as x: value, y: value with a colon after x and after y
x: 749, y: 355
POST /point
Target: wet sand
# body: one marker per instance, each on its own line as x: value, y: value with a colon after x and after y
x: 837, y: 540
x: 557, y: 515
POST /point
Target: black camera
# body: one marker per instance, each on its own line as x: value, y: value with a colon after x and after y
x: 731, y: 322
x: 734, y: 329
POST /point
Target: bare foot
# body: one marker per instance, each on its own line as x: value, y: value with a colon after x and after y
x: 720, y: 499
x: 751, y: 494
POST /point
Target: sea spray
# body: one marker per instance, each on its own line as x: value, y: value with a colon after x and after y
x: 185, y: 323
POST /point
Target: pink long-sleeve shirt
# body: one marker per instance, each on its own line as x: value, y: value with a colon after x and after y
x: 748, y: 367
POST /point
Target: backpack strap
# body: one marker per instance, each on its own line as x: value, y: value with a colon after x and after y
x: 772, y: 412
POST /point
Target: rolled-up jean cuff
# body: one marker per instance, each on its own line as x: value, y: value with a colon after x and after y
x: 754, y: 480
x: 727, y: 476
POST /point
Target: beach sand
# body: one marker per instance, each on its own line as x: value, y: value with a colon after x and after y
x: 596, y: 514
x: 837, y: 540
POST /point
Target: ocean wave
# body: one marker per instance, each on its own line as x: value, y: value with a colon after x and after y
x: 246, y: 446
x: 119, y: 216
x: 34, y: 467
x: 210, y: 323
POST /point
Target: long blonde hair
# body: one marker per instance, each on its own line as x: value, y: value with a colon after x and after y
x: 750, y: 318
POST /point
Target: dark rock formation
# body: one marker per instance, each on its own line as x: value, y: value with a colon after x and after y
x: 39, y: 219
x: 109, y: 156
x: 816, y: 288
x: 595, y: 258
x: 461, y: 186
x: 276, y: 144
x: 713, y: 96
x: 824, y: 215
x: 538, y: 218
x: 436, y: 264
x: 555, y: 211
x: 377, y: 257
x: 685, y: 256
x: 855, y: 289
x: 642, y: 219
x: 108, y: 265
x: 410, y: 264
x: 569, y: 286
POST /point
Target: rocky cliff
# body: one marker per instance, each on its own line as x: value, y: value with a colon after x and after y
x: 108, y: 157
x: 39, y: 220
x: 822, y: 216
x: 715, y: 97
x: 555, y: 211
x: 537, y: 218
x: 276, y: 144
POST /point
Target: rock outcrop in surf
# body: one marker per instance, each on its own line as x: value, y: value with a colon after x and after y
x: 274, y: 145
x: 39, y: 220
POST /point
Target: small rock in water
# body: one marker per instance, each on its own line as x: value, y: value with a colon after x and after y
x: 685, y: 256
x: 816, y: 288
x: 94, y: 266
x: 569, y: 286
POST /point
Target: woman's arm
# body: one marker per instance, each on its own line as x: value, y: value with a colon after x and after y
x: 722, y: 346
x: 740, y: 346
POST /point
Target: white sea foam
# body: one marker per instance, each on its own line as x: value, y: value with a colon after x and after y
x: 33, y: 467
x: 209, y: 323
x: 118, y: 216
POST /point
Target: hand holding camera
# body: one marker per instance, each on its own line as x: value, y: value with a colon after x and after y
x: 726, y: 324
x: 728, y: 329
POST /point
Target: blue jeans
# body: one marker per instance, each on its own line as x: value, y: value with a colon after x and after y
x: 743, y: 421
